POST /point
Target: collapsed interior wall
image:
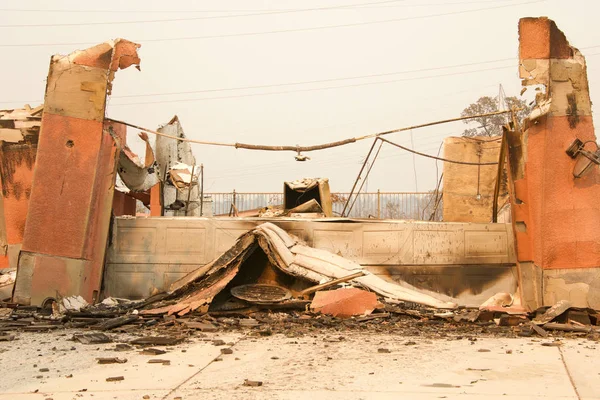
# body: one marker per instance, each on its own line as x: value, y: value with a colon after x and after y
x: 468, y: 193
x: 555, y: 214
x: 74, y: 177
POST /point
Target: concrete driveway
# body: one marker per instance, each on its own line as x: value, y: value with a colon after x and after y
x: 347, y: 366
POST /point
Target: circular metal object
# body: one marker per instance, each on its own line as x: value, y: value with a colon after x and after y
x: 261, y: 293
x: 47, y: 303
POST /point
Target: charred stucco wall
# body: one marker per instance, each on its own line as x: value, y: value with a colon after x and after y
x: 3, y: 240
x: 19, y: 130
x: 469, y: 189
x: 74, y: 177
x: 556, y: 215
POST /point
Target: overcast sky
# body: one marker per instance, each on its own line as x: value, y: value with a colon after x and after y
x: 380, y: 65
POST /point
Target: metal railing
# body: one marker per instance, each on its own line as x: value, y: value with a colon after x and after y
x: 382, y: 205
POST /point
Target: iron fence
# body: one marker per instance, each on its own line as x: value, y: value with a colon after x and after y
x: 383, y: 205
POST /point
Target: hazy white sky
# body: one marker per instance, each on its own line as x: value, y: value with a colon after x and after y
x: 407, y: 62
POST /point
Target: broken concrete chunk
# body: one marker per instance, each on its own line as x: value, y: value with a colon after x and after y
x: 72, y: 303
x: 499, y: 299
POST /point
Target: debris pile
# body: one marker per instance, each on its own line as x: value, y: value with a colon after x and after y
x: 100, y: 323
x: 270, y: 281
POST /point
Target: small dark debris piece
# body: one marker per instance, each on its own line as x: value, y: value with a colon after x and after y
x: 122, y: 347
x: 69, y: 376
x: 157, y: 340
x: 115, y: 379
x: 116, y: 322
x: 44, y: 369
x: 159, y: 361
x: 226, y: 351
x: 111, y: 360
x: 218, y: 342
x: 248, y: 322
x: 92, y: 338
x: 539, y: 330
x: 152, y: 351
x: 252, y: 383
x: 484, y: 350
x: 552, y: 344
x: 410, y: 343
x: 442, y: 385
x: 382, y: 350
x: 511, y: 320
x: 201, y: 326
x: 274, y: 358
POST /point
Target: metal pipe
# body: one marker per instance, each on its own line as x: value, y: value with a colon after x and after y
x: 366, y: 176
x: 502, y: 156
x: 187, y: 204
x: 201, y: 190
x: 358, y: 177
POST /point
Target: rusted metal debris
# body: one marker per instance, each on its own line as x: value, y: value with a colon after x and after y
x: 308, y: 195
x: 137, y: 175
x: 261, y: 293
